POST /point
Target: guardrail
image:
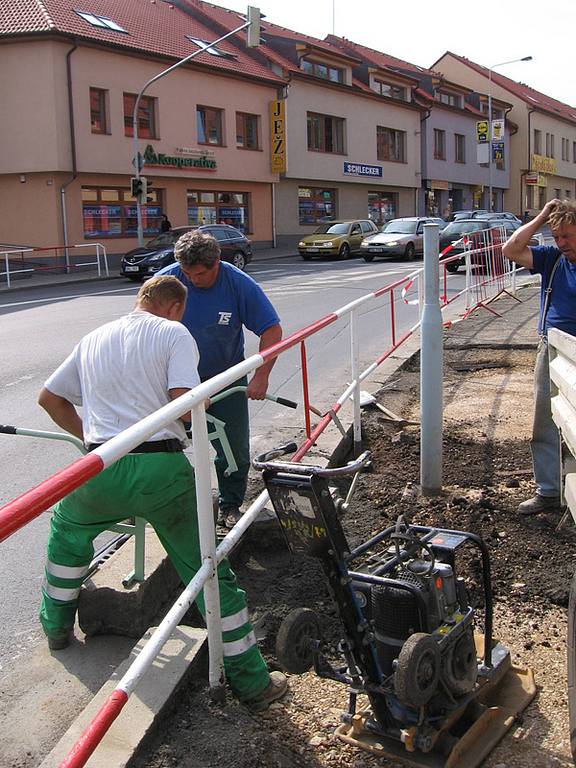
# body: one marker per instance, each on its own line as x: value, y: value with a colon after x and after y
x: 29, y: 505
x: 61, y: 258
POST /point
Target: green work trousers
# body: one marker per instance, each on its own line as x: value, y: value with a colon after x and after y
x: 160, y: 488
x: 233, y: 411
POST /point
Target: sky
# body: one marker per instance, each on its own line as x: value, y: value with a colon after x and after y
x: 419, y: 32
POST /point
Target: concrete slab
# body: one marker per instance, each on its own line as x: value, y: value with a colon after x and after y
x: 144, y: 708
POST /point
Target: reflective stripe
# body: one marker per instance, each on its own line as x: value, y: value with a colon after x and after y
x: 59, y: 593
x: 236, y: 647
x: 235, y: 620
x: 66, y: 571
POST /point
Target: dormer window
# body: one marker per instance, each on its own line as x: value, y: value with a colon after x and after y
x: 451, y: 99
x: 325, y: 71
x: 391, y: 90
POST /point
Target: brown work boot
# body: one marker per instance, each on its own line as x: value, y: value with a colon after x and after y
x: 59, y: 642
x: 275, y: 689
x: 538, y: 504
x: 231, y: 514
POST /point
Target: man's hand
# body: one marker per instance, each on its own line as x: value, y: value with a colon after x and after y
x: 62, y: 412
x: 548, y: 208
x: 258, y: 385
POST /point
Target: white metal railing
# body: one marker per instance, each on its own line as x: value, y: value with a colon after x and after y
x: 63, y: 261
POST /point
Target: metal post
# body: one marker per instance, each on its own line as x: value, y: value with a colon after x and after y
x: 431, y: 361
x: 202, y: 470
x: 7, y: 270
x: 490, y: 205
x: 355, y: 372
x: 98, y: 259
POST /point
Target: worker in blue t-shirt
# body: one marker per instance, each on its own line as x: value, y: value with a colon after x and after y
x: 222, y: 300
x: 557, y: 265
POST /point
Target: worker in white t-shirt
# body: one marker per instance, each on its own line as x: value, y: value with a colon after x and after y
x: 120, y: 373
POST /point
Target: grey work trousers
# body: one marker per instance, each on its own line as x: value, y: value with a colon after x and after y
x: 545, y: 443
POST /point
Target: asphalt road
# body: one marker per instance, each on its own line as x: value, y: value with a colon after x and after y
x: 40, y: 326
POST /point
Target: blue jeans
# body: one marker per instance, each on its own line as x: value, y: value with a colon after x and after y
x: 545, y: 443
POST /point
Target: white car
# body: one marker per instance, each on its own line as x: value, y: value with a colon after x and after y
x: 400, y: 237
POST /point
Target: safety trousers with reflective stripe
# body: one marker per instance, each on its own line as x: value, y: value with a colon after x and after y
x: 160, y: 488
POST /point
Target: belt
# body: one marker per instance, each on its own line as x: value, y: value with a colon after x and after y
x: 172, y: 445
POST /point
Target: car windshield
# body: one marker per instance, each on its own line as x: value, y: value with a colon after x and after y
x: 400, y: 227
x: 462, y: 227
x: 332, y: 229
x: 164, y: 238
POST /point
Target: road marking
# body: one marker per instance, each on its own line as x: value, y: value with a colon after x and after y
x: 62, y: 298
x: 19, y: 381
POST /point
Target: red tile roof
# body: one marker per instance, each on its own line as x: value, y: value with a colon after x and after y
x: 533, y: 98
x: 153, y: 26
x: 379, y: 59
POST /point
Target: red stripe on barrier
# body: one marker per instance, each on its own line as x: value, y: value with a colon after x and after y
x: 93, y: 735
x: 297, y: 337
x: 29, y: 505
x: 320, y: 427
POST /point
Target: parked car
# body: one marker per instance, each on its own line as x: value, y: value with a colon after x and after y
x: 159, y: 252
x: 456, y: 230
x: 400, y: 237
x: 336, y: 238
x: 500, y: 215
x: 468, y: 214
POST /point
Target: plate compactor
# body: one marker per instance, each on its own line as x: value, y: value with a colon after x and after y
x: 439, y: 693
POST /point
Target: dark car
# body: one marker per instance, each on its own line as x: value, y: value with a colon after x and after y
x: 159, y: 252
x: 453, y: 235
x: 468, y: 214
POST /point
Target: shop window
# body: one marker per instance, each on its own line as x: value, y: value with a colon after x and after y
x: 325, y: 71
x: 219, y: 208
x: 316, y: 204
x: 111, y: 212
x: 146, y: 116
x: 439, y: 144
x: 459, y: 148
x: 325, y: 133
x: 209, y: 126
x: 382, y: 206
x: 390, y: 145
x: 390, y: 90
x: 98, y: 110
x: 247, y: 131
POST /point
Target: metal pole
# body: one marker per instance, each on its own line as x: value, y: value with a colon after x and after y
x: 431, y: 360
x: 202, y: 471
x: 355, y: 372
x: 137, y: 104
x: 490, y: 205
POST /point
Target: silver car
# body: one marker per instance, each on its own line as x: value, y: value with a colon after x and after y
x: 400, y: 237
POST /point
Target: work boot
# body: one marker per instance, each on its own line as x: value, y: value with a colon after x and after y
x: 231, y: 514
x: 275, y: 689
x: 538, y: 504
x: 59, y: 642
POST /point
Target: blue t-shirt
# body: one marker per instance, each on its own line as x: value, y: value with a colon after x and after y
x: 215, y: 316
x: 562, y: 307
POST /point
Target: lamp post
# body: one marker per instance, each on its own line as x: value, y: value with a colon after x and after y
x: 501, y: 64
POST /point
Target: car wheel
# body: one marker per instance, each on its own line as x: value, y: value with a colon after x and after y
x: 452, y: 266
x: 368, y: 257
x: 344, y: 252
x: 410, y: 252
x: 238, y: 260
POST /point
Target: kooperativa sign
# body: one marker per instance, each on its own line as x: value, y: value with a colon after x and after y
x: 153, y: 158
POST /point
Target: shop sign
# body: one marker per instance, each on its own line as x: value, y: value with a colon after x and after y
x: 497, y: 151
x: 278, y: 136
x: 535, y: 180
x: 543, y: 164
x: 193, y: 152
x: 497, y: 130
x: 439, y: 184
x: 482, y: 131
x: 203, y: 162
x: 357, y: 169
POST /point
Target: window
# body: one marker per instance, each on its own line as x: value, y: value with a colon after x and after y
x: 382, y: 206
x: 565, y: 149
x: 390, y: 145
x: 389, y: 89
x: 549, y: 145
x: 325, y: 133
x: 497, y: 114
x: 537, y: 142
x: 213, y: 50
x: 326, y: 71
x: 219, y: 208
x: 439, y: 144
x: 316, y: 204
x: 451, y: 99
x: 111, y: 212
x: 574, y: 151
x: 459, y: 148
x: 247, y: 131
x: 568, y: 194
x: 146, y: 116
x: 209, y: 126
x: 100, y: 21
x: 98, y: 111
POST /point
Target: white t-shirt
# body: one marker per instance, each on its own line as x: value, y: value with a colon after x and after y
x: 122, y: 371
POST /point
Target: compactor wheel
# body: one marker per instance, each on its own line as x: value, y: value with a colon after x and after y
x: 294, y: 641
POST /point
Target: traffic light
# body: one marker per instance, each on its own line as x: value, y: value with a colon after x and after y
x: 253, y: 31
x: 138, y: 186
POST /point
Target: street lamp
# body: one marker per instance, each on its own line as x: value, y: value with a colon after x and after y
x: 501, y: 64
